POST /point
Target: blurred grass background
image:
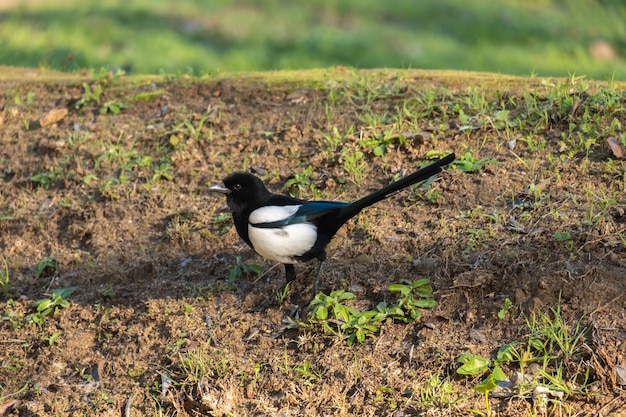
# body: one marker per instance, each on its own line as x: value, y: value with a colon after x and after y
x: 523, y: 37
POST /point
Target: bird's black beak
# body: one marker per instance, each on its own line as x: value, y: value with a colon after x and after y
x: 219, y: 188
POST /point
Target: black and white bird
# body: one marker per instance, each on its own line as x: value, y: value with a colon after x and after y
x: 289, y: 230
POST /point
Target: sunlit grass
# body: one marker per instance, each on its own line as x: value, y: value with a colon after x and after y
x: 544, y: 38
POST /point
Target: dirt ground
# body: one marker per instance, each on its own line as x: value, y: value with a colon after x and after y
x: 120, y: 202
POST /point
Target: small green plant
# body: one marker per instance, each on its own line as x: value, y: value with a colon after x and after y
x: 335, y: 139
x: 413, y: 296
x: 149, y: 95
x: 51, y: 339
x: 350, y: 323
x: 222, y: 223
x: 562, y: 236
x: 113, y: 107
x: 49, y: 306
x: 437, y: 391
x: 241, y: 268
x: 306, y: 374
x: 246, y: 379
x: 355, y: 166
x: 335, y: 316
x: 91, y: 94
x: 89, y: 178
x: 187, y: 309
x: 564, y: 367
x: 380, y: 143
x: 324, y: 305
x: 504, y: 308
x: 163, y: 172
x: 490, y: 384
x: 467, y: 162
x: 46, y: 178
x: 201, y: 363
x: 46, y: 265
x: 281, y: 293
x: 111, y: 188
x: 301, y: 183
x: 187, y: 130
x: 105, y: 75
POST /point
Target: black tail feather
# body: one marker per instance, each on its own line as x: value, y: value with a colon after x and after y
x: 354, y: 208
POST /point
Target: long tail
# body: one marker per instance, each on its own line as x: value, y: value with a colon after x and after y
x: 354, y: 208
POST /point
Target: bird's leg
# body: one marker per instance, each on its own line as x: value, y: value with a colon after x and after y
x: 290, y: 273
x: 317, y: 278
x: 322, y: 258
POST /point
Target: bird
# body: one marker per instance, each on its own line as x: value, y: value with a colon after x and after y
x: 291, y: 231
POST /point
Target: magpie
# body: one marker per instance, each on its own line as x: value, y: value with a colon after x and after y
x: 289, y: 230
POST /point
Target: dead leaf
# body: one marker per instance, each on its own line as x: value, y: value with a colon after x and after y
x: 53, y: 116
x: 620, y: 374
x: 8, y: 406
x: 616, y: 147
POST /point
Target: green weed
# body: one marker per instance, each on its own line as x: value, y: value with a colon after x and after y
x: 47, y: 264
x: 91, y: 94
x: 352, y: 325
x: 300, y: 184
x: 46, y: 178
x: 414, y: 296
x: 113, y: 107
x: 50, y: 306
x: 355, y: 165
x: 467, y: 162
x: 281, y: 294
x: 504, y: 308
x: 240, y: 269
x: 551, y: 343
x: 380, y: 143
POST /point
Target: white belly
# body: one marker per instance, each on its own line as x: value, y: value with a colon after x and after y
x: 283, y: 244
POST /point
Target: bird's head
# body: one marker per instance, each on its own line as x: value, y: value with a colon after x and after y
x: 243, y: 191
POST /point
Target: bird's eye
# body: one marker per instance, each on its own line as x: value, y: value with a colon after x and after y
x: 237, y: 187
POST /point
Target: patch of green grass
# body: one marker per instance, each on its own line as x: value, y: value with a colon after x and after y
x: 201, y: 363
x: 188, y: 130
x: 334, y: 141
x: 182, y: 227
x: 335, y: 316
x: 281, y: 294
x: 516, y: 37
x: 548, y: 365
x: 113, y: 107
x: 354, y: 165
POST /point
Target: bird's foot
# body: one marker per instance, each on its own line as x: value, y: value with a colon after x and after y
x: 259, y: 307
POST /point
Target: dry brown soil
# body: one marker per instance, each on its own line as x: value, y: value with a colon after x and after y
x: 150, y: 257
